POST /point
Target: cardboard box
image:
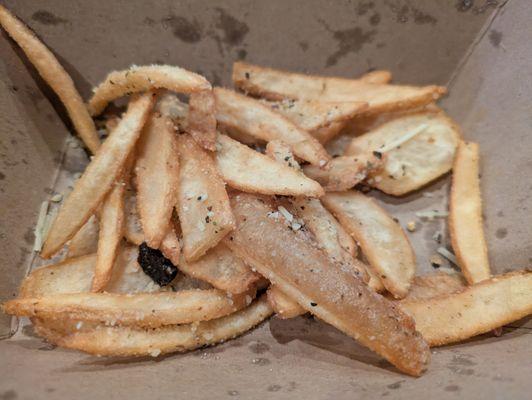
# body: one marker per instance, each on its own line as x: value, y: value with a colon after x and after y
x: 480, y: 49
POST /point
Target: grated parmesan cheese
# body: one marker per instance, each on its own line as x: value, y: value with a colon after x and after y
x: 447, y: 254
x: 403, y: 139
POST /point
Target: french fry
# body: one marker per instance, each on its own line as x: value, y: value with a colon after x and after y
x: 419, y: 148
x: 426, y: 287
x: 126, y: 341
x: 157, y: 174
x: 54, y: 75
x: 202, y: 119
x: 345, y: 172
x: 313, y: 114
x: 98, y: 178
x: 150, y: 310
x: 465, y: 215
x: 222, y: 269
x: 203, y: 205
x: 305, y: 273
x: 325, y: 134
x: 111, y: 231
x: 169, y: 105
x: 250, y: 171
x: 248, y: 115
x: 85, y: 241
x: 132, y: 227
x: 477, y: 309
x: 75, y: 275
x: 278, y: 85
x: 377, y: 76
x: 381, y: 239
x: 170, y: 246
x: 142, y: 79
x: 279, y: 151
x: 283, y: 306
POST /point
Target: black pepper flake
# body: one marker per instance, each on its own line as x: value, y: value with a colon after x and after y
x: 231, y: 238
x: 159, y: 268
x: 313, y: 304
x: 207, y: 219
x: 209, y: 208
x: 302, y: 207
x: 287, y: 158
x: 377, y: 154
x: 246, y: 75
x: 198, y: 198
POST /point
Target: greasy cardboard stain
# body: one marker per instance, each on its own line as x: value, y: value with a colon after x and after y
x: 467, y: 5
x: 8, y: 395
x: 495, y: 37
x: 364, y: 6
x: 406, y: 13
x: 47, y: 18
x: 188, y: 31
x: 452, y: 388
x: 501, y: 233
x: 375, y: 19
x: 234, y: 31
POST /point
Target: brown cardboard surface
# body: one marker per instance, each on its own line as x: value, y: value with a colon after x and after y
x: 421, y: 42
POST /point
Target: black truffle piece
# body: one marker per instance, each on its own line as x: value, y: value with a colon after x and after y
x: 159, y: 268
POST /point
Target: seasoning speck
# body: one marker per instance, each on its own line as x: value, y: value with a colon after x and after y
x: 411, y: 226
x: 56, y: 198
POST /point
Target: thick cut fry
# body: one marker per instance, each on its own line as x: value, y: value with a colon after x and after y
x: 325, y: 134
x: 248, y: 115
x: 419, y: 148
x: 202, y: 119
x: 381, y: 239
x: 54, y: 75
x: 250, y: 171
x: 149, y: 310
x: 378, y: 76
x: 85, y: 241
x: 222, y: 269
x: 284, y: 306
x: 157, y: 173
x: 98, y: 178
x: 314, y: 114
x: 75, y: 275
x: 465, y: 215
x: 124, y: 341
x: 426, y: 287
x: 345, y: 172
x: 277, y: 85
x: 111, y: 231
x: 480, y: 308
x: 141, y: 79
x: 203, y: 205
x: 305, y: 273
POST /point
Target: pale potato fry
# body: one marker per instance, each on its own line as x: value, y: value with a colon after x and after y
x: 132, y: 227
x: 144, y: 78
x: 98, y: 178
x: 465, y: 215
x: 54, y: 75
x: 325, y: 134
x: 75, y: 275
x: 283, y: 306
x: 202, y: 119
x: 306, y: 274
x: 203, y: 205
x: 426, y: 287
x: 127, y: 341
x: 169, y: 105
x: 414, y: 161
x: 377, y: 76
x: 170, y: 246
x: 345, y: 172
x: 157, y: 174
x: 111, y: 231
x: 250, y: 171
x: 381, y: 239
x: 150, y: 310
x: 477, y: 309
x: 279, y: 151
x: 250, y: 116
x: 85, y: 241
x: 314, y: 114
x: 222, y: 269
x: 277, y: 85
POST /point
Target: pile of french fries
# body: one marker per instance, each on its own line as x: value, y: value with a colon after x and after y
x: 194, y: 222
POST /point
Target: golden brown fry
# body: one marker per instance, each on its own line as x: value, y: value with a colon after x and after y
x: 465, y: 215
x: 141, y: 310
x: 222, y: 269
x: 111, y: 230
x: 98, y: 178
x: 54, y: 75
x: 124, y: 341
x: 277, y: 85
x: 157, y: 174
x: 411, y: 161
x: 75, y: 275
x: 85, y: 241
x: 325, y: 134
x: 202, y: 119
x: 144, y: 78
x: 284, y: 306
x: 345, y: 172
x: 381, y: 239
x: 377, y: 76
x: 250, y: 171
x: 203, y: 205
x: 426, y: 287
x: 479, y: 308
x: 305, y: 273
x: 248, y: 115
